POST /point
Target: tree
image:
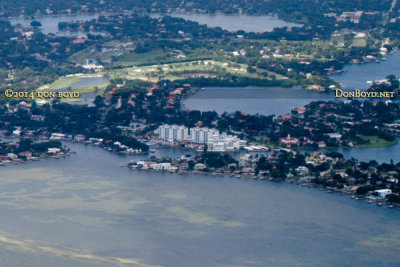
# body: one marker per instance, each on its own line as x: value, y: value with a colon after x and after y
x: 36, y: 24
x: 363, y: 190
x: 392, y: 198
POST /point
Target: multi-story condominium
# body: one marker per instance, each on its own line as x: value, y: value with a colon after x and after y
x: 200, y: 136
x: 172, y: 133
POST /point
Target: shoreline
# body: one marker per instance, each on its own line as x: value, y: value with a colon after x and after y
x: 21, y: 161
x: 270, y: 148
x: 297, y: 181
x: 378, y: 202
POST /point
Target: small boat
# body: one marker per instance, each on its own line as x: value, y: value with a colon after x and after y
x: 391, y: 207
x: 152, y: 151
x: 370, y: 201
x: 379, y: 204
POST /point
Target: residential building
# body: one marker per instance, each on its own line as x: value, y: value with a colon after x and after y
x: 382, y: 193
x: 172, y: 133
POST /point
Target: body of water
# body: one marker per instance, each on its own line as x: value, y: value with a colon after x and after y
x: 227, y: 22
x: 50, y: 23
x: 380, y: 154
x: 88, y: 98
x: 278, y: 100
x: 85, y: 210
x: 357, y: 75
x: 253, y: 100
x: 237, y: 22
x: 89, y: 81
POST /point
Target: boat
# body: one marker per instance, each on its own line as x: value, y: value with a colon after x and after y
x: 391, y: 207
x: 152, y: 151
x: 379, y: 204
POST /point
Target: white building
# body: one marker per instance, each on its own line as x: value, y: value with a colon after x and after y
x: 161, y: 166
x: 201, y: 136
x: 382, y: 193
x: 223, y: 142
x: 200, y: 166
x: 57, y: 136
x: 351, y: 16
x: 171, y: 133
x: 53, y: 150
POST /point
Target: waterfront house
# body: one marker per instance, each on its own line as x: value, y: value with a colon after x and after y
x: 184, y: 166
x: 12, y: 156
x: 382, y: 193
x: 57, y: 136
x: 26, y: 154
x: 200, y: 166
x: 79, y: 138
x: 53, y: 150
x: 165, y: 166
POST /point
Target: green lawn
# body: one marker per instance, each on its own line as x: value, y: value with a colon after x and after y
x: 60, y: 83
x: 375, y: 141
x: 91, y: 88
x: 65, y: 82
x: 172, y: 71
x: 129, y: 59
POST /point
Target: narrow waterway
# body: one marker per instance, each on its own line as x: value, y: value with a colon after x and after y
x: 237, y: 22
x: 86, y: 210
x: 253, y: 100
x: 50, y: 23
x: 356, y: 76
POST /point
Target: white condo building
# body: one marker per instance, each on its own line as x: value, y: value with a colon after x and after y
x: 201, y: 136
x: 172, y: 133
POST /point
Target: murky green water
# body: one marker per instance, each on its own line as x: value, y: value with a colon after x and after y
x: 86, y: 210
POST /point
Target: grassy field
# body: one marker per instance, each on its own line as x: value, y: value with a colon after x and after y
x: 375, y: 141
x: 172, y: 71
x: 62, y: 82
x: 175, y: 71
x: 129, y: 59
x: 106, y: 53
x: 67, y: 81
